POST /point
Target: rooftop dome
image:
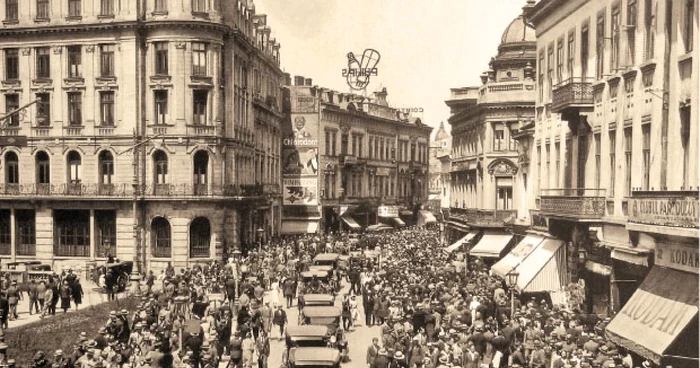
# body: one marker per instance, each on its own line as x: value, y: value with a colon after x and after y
x: 518, y: 31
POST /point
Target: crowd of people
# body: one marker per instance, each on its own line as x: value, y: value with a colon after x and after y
x: 431, y: 313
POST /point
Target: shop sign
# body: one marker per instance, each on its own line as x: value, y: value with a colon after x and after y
x: 388, y: 211
x: 680, y: 211
x: 300, y: 192
x: 382, y: 171
x: 678, y: 256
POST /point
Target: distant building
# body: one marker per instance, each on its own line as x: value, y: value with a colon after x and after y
x: 440, y: 146
x: 486, y: 185
x: 353, y: 161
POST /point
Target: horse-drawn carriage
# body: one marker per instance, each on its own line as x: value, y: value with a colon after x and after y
x: 120, y: 271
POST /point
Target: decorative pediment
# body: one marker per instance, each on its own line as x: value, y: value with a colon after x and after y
x: 502, y: 166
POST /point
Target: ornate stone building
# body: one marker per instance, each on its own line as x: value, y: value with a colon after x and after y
x: 440, y: 146
x: 150, y: 133
x: 487, y: 186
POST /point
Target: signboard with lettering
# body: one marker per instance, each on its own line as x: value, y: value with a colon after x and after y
x: 388, y: 211
x: 669, y: 211
x: 382, y: 171
x: 300, y: 192
x: 679, y: 256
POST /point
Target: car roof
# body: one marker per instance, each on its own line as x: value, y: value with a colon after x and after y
x: 312, y: 273
x: 327, y: 257
x: 320, y: 268
x: 314, y: 356
x: 318, y: 297
x: 307, y: 331
x: 322, y: 311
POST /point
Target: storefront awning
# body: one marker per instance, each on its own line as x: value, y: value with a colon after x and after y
x: 657, y: 314
x: 545, y: 269
x: 427, y: 217
x: 516, y: 256
x: 491, y: 245
x: 433, y: 197
x: 398, y: 222
x: 459, y: 242
x: 299, y: 227
x: 350, y: 222
x: 640, y: 259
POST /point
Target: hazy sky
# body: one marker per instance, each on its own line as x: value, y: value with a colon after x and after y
x: 426, y: 46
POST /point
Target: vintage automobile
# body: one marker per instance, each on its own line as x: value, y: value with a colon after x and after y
x: 322, y: 268
x: 328, y: 259
x: 313, y: 357
x: 316, y: 300
x: 322, y: 316
x: 307, y: 335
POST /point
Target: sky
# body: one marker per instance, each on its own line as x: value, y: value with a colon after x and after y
x: 426, y: 46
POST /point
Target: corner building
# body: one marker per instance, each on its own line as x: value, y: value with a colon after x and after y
x: 367, y: 161
x: 617, y: 96
x: 153, y: 133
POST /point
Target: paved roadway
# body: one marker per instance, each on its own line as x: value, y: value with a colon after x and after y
x: 359, y: 337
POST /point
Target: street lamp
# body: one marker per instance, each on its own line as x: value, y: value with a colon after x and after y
x: 260, y: 232
x: 512, y: 282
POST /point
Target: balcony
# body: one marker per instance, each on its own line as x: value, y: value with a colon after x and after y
x: 572, y: 95
x: 574, y: 203
x: 105, y: 130
x: 202, y: 130
x: 482, y: 218
x: 73, y: 130
x: 67, y: 190
x: 505, y: 92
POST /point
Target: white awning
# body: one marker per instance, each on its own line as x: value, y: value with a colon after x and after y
x: 427, y: 217
x: 459, y: 242
x: 399, y: 222
x: 350, y: 222
x: 545, y: 268
x: 516, y: 256
x: 491, y: 245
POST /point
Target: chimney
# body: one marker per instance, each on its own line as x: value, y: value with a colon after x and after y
x: 309, y: 82
x: 287, y: 79
x: 381, y: 97
x: 298, y: 80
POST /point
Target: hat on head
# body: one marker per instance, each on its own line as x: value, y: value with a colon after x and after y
x: 398, y: 355
x: 58, y: 352
x: 382, y: 351
x: 113, y: 313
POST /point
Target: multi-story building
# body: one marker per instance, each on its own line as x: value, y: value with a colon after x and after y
x: 486, y: 187
x: 142, y: 144
x: 367, y: 160
x: 617, y: 106
x: 440, y: 146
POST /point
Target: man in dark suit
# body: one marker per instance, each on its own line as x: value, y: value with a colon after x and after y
x: 373, y: 352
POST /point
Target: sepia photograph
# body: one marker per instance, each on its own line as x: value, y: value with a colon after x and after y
x: 349, y: 184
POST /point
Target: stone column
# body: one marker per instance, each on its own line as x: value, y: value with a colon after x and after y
x: 93, y: 234
x: 13, y: 235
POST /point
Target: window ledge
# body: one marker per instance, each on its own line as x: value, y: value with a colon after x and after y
x: 12, y: 82
x: 42, y: 20
x: 10, y: 21
x: 159, y: 13
x: 685, y: 57
x: 105, y: 16
x: 203, y: 15
x: 74, y: 18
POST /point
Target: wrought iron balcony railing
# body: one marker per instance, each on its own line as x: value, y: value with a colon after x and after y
x: 581, y: 203
x: 572, y: 93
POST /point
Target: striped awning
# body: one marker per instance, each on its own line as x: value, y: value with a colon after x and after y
x: 350, y: 222
x: 516, y: 256
x: 545, y: 268
x: 459, y: 242
x: 491, y: 245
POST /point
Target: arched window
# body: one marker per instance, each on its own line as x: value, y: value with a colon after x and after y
x: 200, y: 236
x: 75, y: 172
x: 106, y: 167
x: 11, y: 168
x: 160, y: 167
x: 160, y: 238
x: 43, y: 168
x: 201, y: 164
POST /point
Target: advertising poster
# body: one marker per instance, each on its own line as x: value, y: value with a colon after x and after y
x: 301, y: 161
x: 300, y: 192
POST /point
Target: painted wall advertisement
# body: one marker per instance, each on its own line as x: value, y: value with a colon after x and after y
x: 388, y: 211
x: 679, y: 256
x: 680, y: 211
x: 300, y: 159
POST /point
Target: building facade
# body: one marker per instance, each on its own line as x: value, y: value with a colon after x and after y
x: 138, y: 139
x: 440, y: 146
x: 617, y: 96
x: 486, y: 186
x: 367, y: 161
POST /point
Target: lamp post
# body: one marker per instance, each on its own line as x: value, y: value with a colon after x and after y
x: 512, y: 282
x: 260, y: 231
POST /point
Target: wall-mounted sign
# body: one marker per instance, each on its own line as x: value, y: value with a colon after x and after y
x: 359, y: 72
x: 302, y: 132
x: 388, y: 211
x: 679, y: 256
x: 300, y: 192
x: 408, y: 110
x: 382, y: 171
x: 669, y: 211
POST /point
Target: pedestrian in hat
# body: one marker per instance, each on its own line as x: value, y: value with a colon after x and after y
x: 14, y: 295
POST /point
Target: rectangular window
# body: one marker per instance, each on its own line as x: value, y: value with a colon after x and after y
x: 685, y: 143
x: 600, y: 46
x: 371, y: 144
x: 498, y: 137
x: 199, y: 58
x: 584, y: 51
x: 107, y: 108
x: 557, y: 163
x: 560, y: 60
x: 161, y: 57
x: 569, y: 164
x: 646, y: 155
x: 550, y: 70
x: 160, y: 98
x: 12, y: 104
x: 106, y: 233
x: 381, y: 149
x: 199, y: 6
x: 43, y: 62
x: 540, y: 79
x: 539, y: 170
x: 333, y: 141
x: 615, y: 41
x: 107, y: 60
x: 505, y: 198
x: 613, y: 169
x: 688, y: 25
x: 11, y: 10
x: 327, y: 150
x: 11, y: 64
x: 571, y: 52
x: 75, y: 61
x: 26, y: 232
x: 75, y: 108
x: 161, y: 6
x: 548, y: 160
x: 71, y: 233
x: 628, y: 161
x: 107, y: 7
x: 360, y: 146
x: 74, y: 8
x: 649, y: 28
x: 199, y: 107
x: 596, y: 139
x: 43, y: 109
x: 344, y: 144
x: 42, y: 9
x: 631, y: 29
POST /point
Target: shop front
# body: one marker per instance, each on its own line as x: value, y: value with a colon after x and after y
x: 389, y: 215
x: 492, y: 246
